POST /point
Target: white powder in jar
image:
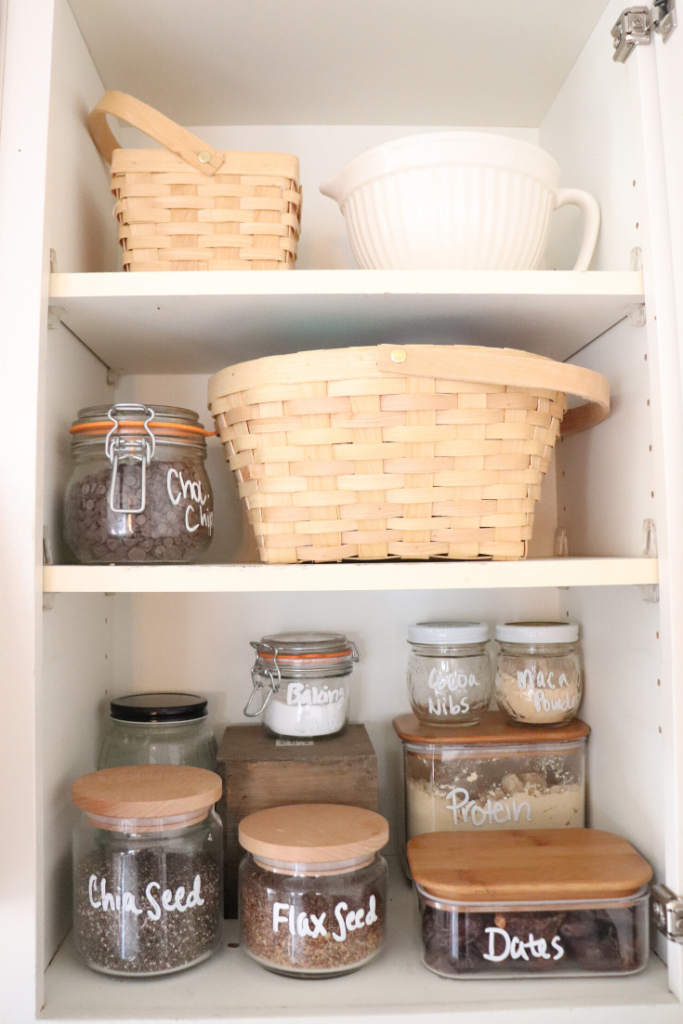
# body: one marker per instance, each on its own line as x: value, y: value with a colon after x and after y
x: 307, y: 710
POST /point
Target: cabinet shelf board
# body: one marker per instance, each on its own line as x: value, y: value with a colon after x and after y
x: 396, y: 987
x: 200, y: 322
x: 551, y: 572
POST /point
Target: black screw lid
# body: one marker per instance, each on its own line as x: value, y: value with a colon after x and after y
x: 158, y: 707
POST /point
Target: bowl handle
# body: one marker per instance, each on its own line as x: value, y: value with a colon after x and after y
x: 591, y: 213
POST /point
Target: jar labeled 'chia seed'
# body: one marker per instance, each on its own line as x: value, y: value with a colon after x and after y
x: 139, y: 491
x: 159, y: 728
x: 449, y: 672
x: 147, y: 869
x: 538, y: 680
x: 312, y: 888
x: 305, y: 678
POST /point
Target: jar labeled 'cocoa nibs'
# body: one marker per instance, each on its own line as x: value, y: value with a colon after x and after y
x: 312, y: 888
x: 139, y: 491
x: 147, y: 869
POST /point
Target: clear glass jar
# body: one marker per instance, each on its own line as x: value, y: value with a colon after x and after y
x: 147, y: 884
x: 494, y: 776
x: 159, y: 728
x: 449, y: 672
x: 311, y: 918
x: 139, y: 491
x: 538, y: 678
x: 306, y: 679
x: 542, y: 928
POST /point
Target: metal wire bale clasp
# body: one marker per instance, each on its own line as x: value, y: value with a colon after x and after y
x: 273, y: 684
x: 137, y: 449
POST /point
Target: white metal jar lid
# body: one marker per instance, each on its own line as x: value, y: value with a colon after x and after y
x: 448, y: 633
x: 538, y: 632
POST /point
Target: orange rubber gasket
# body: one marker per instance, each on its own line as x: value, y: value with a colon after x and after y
x: 104, y: 426
x: 305, y: 657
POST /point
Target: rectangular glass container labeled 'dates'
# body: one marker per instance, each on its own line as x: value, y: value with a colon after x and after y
x: 556, y: 903
x: 492, y: 775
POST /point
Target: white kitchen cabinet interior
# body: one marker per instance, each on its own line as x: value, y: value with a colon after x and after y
x: 304, y: 78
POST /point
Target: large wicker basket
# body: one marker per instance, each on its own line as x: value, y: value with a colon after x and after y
x: 191, y: 207
x: 408, y: 452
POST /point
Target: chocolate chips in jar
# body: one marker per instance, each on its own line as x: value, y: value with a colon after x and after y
x: 312, y: 888
x: 139, y: 492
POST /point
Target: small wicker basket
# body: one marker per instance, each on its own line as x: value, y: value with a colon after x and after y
x: 191, y: 207
x: 408, y: 452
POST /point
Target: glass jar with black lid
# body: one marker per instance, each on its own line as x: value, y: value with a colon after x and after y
x: 301, y: 683
x: 159, y: 728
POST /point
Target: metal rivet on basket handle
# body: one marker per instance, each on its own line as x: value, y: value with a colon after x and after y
x: 508, y: 367
x: 178, y: 140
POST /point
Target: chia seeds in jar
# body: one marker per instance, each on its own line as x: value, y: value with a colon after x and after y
x: 301, y: 683
x: 503, y: 905
x: 449, y: 672
x: 538, y: 679
x: 147, y: 869
x: 312, y: 888
x: 159, y: 728
x: 139, y: 491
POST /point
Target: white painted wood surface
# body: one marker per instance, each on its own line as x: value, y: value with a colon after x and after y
x: 200, y: 322
x: 152, y: 579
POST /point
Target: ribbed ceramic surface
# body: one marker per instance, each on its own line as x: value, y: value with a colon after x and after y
x: 449, y: 217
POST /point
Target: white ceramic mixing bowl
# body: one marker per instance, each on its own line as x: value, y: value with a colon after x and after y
x: 455, y: 201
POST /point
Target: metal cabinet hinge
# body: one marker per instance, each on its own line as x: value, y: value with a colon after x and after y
x: 635, y: 25
x: 667, y: 912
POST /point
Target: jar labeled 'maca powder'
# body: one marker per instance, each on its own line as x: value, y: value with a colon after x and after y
x: 305, y: 680
x: 139, y: 491
x: 538, y: 681
x: 159, y: 728
x: 449, y: 672
x: 492, y: 776
x: 147, y: 869
x: 505, y: 905
x: 312, y: 888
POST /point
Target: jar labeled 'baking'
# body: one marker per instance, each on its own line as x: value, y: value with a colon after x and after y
x: 147, y: 879
x: 538, y: 679
x: 159, y: 728
x: 449, y: 672
x: 139, y: 491
x: 493, y: 776
x: 503, y: 905
x: 305, y: 681
x: 312, y: 888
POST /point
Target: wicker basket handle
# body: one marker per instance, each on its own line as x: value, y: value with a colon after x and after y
x: 503, y: 366
x: 186, y: 145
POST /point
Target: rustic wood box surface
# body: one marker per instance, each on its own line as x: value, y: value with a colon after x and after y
x: 260, y: 771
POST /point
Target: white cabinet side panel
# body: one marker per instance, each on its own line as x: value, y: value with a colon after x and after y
x: 79, y: 225
x: 588, y: 130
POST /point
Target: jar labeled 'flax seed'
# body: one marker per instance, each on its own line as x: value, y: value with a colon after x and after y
x: 139, y: 491
x: 312, y: 888
x: 449, y: 672
x: 147, y: 872
x: 503, y: 905
x: 538, y: 680
x: 305, y: 680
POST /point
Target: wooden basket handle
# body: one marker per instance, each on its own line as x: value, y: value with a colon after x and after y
x: 503, y: 366
x: 186, y: 145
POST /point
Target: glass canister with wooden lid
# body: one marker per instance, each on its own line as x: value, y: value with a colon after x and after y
x: 147, y: 875
x: 503, y: 905
x: 139, y: 490
x: 492, y: 776
x: 312, y: 888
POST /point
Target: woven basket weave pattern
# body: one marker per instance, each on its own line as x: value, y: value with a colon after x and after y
x: 389, y: 467
x: 172, y: 217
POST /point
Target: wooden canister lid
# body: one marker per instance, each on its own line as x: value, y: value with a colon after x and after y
x: 313, y: 833
x: 491, y: 729
x: 146, y: 791
x: 526, y: 866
